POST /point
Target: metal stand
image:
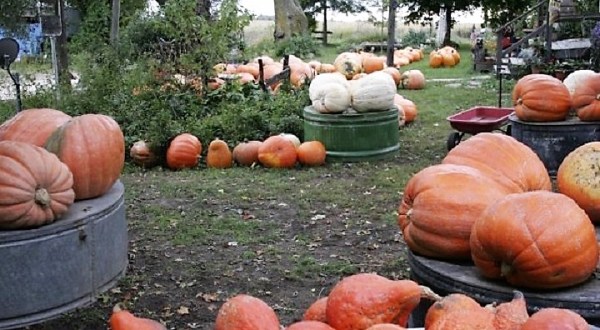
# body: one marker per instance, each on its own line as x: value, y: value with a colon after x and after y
x: 16, y: 80
x: 9, y: 50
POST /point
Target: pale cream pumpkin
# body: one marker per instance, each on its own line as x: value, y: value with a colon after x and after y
x: 329, y: 93
x: 348, y: 64
x: 575, y: 78
x: 375, y: 92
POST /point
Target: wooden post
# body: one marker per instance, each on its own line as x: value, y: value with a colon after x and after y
x: 391, y: 39
x: 325, y: 31
x: 114, y: 22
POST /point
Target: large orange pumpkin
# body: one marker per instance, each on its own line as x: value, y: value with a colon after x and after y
x: 245, y: 312
x: 365, y: 299
x: 555, y: 318
x: 540, y: 97
x: 537, y: 239
x: 578, y: 178
x: 519, y: 170
x: 277, y: 151
x: 121, y: 319
x: 439, y: 206
x: 586, y: 98
x: 93, y: 147
x: 33, y: 125
x: 219, y: 155
x: 36, y: 188
x: 183, y: 151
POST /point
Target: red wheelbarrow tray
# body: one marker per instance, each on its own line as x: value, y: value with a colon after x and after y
x: 480, y: 119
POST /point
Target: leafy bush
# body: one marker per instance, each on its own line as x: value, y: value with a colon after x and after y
x: 414, y: 38
x: 303, y: 46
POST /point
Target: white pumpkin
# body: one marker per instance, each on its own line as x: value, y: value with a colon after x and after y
x: 316, y: 85
x: 349, y: 64
x: 332, y: 98
x: 375, y: 92
x: 292, y: 138
x: 575, y: 78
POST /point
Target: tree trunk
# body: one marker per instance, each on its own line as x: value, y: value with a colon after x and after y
x: 64, y: 76
x: 203, y: 8
x: 290, y: 19
x: 448, y: 26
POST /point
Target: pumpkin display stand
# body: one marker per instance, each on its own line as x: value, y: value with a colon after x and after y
x: 354, y: 137
x: 53, y: 269
x: 553, y: 141
x: 445, y: 277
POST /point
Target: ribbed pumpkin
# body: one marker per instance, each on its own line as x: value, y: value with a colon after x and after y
x: 538, y: 239
x: 183, y: 151
x: 435, y: 59
x: 246, y: 153
x: 219, y: 155
x: 93, y: 147
x: 439, y: 206
x: 520, y: 169
x: 540, y: 97
x: 375, y: 92
x: 555, y: 318
x: 245, y: 312
x: 277, y: 152
x: 33, y: 125
x: 586, y: 98
x: 365, y: 299
x: 329, y: 93
x: 578, y: 178
x: 36, y: 188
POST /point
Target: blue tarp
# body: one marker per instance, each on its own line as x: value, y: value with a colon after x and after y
x: 29, y: 42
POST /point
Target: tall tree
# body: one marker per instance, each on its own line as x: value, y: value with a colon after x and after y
x: 290, y: 19
x: 425, y: 11
x: 499, y: 12
x: 313, y: 7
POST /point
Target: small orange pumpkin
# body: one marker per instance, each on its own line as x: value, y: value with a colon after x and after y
x: 309, y: 325
x: 530, y: 239
x: 248, y: 313
x: 142, y: 155
x: 33, y: 125
x: 219, y: 155
x: 183, y: 151
x: 386, y: 326
x: 277, y: 151
x: 317, y: 311
x: 93, y: 147
x: 372, y: 64
x: 555, y: 318
x: 246, y: 153
x: 36, y: 188
x: 311, y: 153
x: 540, y: 97
x: 413, y: 79
x: 123, y: 320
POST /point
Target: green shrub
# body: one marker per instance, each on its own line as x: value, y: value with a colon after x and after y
x: 414, y: 38
x: 303, y: 46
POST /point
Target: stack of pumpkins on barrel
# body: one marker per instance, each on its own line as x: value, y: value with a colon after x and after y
x: 283, y: 150
x: 363, y: 83
x: 49, y: 159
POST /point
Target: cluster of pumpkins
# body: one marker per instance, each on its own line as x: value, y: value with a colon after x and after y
x: 368, y: 301
x: 278, y: 151
x: 445, y: 57
x: 49, y: 159
x: 544, y: 98
x: 504, y: 215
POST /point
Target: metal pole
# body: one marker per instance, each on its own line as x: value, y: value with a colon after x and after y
x: 55, y: 64
x: 391, y: 42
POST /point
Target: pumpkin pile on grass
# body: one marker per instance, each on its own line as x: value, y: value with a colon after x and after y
x: 503, y: 215
x: 445, y: 57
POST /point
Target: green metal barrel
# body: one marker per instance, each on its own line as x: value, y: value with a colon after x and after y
x: 354, y: 137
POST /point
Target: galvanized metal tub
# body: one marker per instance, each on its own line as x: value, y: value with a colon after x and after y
x: 47, y: 271
x: 355, y: 136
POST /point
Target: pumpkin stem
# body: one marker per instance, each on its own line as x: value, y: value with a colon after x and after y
x: 598, y: 97
x: 505, y: 269
x: 429, y: 294
x: 42, y: 197
x: 519, y: 101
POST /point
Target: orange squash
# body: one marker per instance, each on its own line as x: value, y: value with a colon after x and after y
x: 93, y: 147
x: 311, y: 153
x: 555, y: 318
x: 413, y: 79
x: 578, y: 178
x: 540, y: 97
x: 309, y: 325
x: 365, y: 299
x: 409, y: 107
x: 538, y: 239
x: 183, y: 151
x: 219, y: 155
x: 440, y: 205
x: 520, y: 169
x: 246, y: 153
x: 372, y: 64
x: 586, y: 98
x: 278, y: 152
x: 317, y: 311
x: 33, y: 125
x: 245, y: 312
x: 123, y: 320
x: 458, y: 311
x: 36, y: 188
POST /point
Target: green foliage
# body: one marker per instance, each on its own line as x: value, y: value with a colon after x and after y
x: 95, y: 29
x: 414, y: 38
x: 9, y: 9
x: 303, y: 46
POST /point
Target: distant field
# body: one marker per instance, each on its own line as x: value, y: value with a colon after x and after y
x: 259, y: 30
